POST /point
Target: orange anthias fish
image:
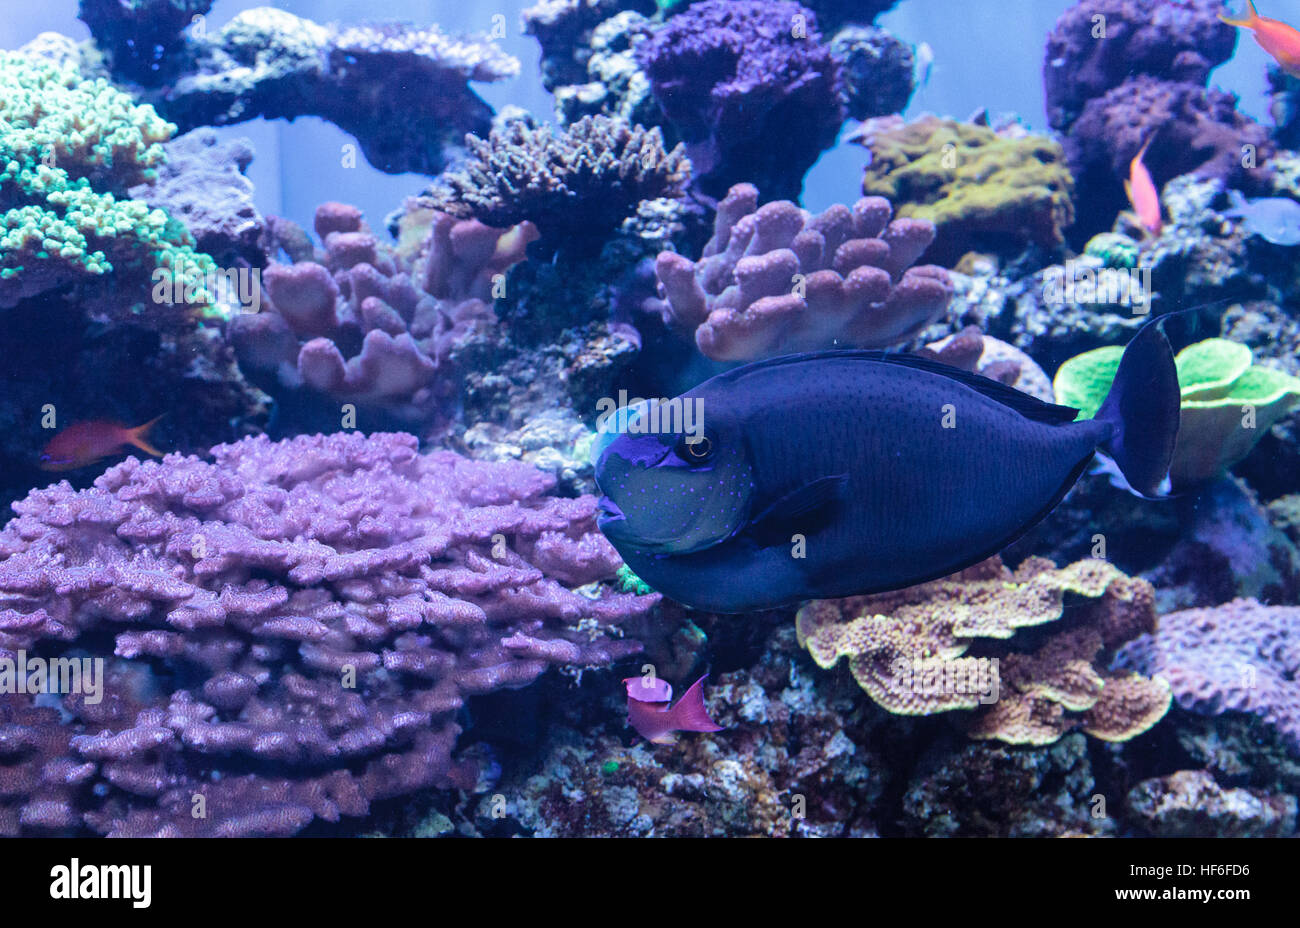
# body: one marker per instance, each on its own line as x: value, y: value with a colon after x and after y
x: 1274, y: 36
x: 1142, y: 193
x: 85, y: 443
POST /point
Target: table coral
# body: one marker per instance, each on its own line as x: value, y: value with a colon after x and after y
x: 288, y: 631
x: 984, y: 191
x: 774, y: 279
x: 909, y: 649
x: 575, y: 186
x: 751, y: 88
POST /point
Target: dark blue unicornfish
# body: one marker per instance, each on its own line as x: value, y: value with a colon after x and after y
x: 846, y: 472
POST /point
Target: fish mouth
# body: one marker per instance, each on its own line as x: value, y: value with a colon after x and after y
x: 610, y: 514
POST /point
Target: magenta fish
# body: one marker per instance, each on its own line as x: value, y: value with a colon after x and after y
x: 648, y: 711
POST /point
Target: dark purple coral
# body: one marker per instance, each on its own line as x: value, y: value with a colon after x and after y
x: 1240, y: 657
x: 751, y: 88
x: 1087, y: 56
x: 288, y: 631
x: 1192, y: 130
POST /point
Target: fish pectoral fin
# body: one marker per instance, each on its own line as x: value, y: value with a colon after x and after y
x: 800, y: 512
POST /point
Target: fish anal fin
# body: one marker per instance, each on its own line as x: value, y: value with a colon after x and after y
x: 801, y: 511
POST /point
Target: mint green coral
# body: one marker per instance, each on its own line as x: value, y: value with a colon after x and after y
x: 69, y: 148
x: 1228, y: 402
x: 628, y: 582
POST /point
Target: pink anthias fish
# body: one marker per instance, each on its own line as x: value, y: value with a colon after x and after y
x: 1142, y: 192
x: 648, y: 711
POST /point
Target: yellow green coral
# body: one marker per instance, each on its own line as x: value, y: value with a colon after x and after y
x: 908, y: 647
x: 982, y: 190
x: 53, y: 114
x: 1228, y: 402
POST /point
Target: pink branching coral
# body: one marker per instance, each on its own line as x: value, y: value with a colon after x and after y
x: 775, y: 280
x: 288, y: 632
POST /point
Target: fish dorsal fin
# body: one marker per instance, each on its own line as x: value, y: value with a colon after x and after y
x: 1031, y: 407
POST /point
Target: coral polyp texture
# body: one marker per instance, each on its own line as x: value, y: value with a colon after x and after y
x: 1238, y: 658
x: 910, y: 650
x: 289, y: 630
x: 775, y: 279
x: 750, y: 87
x: 374, y: 325
x: 983, y: 190
x: 576, y: 185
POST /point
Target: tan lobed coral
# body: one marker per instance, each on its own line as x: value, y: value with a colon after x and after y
x: 775, y: 280
x: 908, y: 649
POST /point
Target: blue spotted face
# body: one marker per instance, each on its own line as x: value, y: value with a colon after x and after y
x: 674, y: 492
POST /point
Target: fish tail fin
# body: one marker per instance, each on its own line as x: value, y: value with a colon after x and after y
x: 689, y: 714
x: 136, y: 436
x: 1142, y: 409
x: 1252, y: 17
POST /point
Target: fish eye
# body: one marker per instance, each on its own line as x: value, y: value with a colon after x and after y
x: 695, y: 451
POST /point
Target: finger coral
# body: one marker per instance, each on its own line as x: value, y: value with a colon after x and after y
x: 909, y: 650
x: 774, y: 279
x: 371, y: 324
x: 751, y: 88
x: 287, y: 632
x: 575, y: 186
x: 983, y: 190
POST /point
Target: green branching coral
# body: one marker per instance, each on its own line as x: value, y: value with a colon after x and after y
x: 575, y: 185
x: 984, y: 191
x: 1228, y: 402
x: 69, y: 148
x: 86, y: 127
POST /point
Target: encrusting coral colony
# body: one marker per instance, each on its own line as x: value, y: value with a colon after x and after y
x: 375, y: 532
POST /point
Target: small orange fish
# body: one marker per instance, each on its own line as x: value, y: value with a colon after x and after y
x: 84, y: 443
x: 1274, y: 36
x: 1142, y: 193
